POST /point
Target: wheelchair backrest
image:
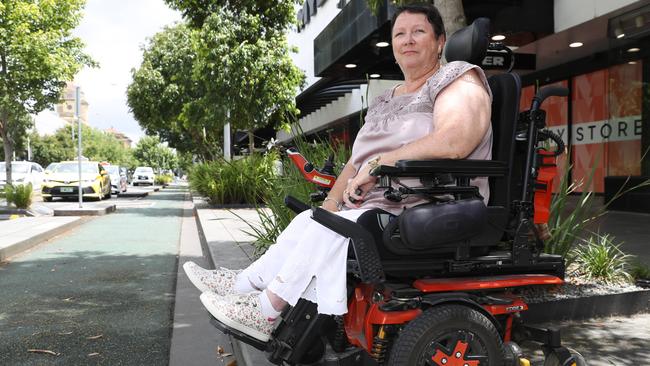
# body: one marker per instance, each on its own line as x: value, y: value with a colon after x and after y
x: 506, y: 90
x: 470, y: 44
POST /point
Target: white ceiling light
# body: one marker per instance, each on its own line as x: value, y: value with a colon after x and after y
x: 632, y: 62
x: 633, y: 49
x: 375, y: 76
x: 351, y: 66
x: 498, y: 37
x: 382, y: 44
x: 575, y: 44
x: 618, y: 30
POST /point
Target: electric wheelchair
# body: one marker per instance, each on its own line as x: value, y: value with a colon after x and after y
x: 433, y: 286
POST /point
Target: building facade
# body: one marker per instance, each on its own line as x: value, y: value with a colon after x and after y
x: 66, y: 107
x: 596, y: 48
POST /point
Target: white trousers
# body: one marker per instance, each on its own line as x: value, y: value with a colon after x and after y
x: 309, y: 261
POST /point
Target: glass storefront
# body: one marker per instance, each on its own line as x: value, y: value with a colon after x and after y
x: 605, y: 124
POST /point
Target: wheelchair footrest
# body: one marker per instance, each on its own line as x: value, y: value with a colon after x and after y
x: 262, y: 346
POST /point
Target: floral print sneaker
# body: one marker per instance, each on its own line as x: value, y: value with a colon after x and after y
x: 220, y: 281
x: 240, y: 312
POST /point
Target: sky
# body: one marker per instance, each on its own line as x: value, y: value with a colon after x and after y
x: 114, y: 32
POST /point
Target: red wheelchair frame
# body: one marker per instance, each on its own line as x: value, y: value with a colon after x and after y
x: 456, y: 311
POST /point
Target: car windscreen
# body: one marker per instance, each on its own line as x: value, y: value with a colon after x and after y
x: 15, y: 168
x: 143, y: 170
x: 74, y: 168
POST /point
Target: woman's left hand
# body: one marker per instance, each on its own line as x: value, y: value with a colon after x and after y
x: 358, y: 187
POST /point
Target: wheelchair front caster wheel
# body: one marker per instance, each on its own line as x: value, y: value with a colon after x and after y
x: 552, y: 359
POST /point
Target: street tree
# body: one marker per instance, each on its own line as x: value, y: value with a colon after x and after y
x: 250, y: 78
x: 149, y: 151
x: 191, y: 80
x: 274, y: 16
x: 97, y: 146
x: 21, y: 122
x: 451, y: 11
x: 38, y: 54
x: 165, y: 98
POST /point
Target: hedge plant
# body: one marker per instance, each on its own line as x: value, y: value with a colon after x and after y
x: 243, y: 181
x: 20, y: 195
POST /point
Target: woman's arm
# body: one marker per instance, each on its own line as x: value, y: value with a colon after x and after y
x: 461, y: 117
x: 335, y: 195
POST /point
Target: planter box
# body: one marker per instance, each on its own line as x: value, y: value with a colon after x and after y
x: 626, y: 303
x: 637, y: 200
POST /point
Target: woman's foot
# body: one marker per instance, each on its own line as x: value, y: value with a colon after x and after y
x: 241, y: 312
x: 220, y: 281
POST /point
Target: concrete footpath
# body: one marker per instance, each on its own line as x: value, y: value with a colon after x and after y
x: 18, y: 235
x: 226, y: 244
x: 216, y: 238
x: 622, y: 340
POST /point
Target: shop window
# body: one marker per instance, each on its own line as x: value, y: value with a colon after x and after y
x: 607, y: 123
x: 589, y: 111
x: 623, y: 134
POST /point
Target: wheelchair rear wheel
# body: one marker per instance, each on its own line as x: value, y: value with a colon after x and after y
x: 448, y: 335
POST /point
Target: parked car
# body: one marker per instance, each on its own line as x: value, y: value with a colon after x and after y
x: 22, y: 172
x: 50, y: 168
x: 118, y: 178
x: 64, y: 181
x: 143, y: 175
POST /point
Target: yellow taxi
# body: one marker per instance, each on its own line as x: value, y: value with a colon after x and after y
x: 63, y: 181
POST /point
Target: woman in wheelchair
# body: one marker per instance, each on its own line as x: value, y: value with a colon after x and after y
x: 439, y: 111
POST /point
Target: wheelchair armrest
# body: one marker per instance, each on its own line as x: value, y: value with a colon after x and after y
x: 458, y: 167
x: 295, y: 204
x: 363, y: 243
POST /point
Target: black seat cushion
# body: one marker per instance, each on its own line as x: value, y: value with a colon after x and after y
x: 438, y: 223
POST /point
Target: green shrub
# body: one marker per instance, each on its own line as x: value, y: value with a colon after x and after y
x: 163, y: 179
x: 275, y: 217
x: 568, y: 225
x: 236, y: 182
x: 640, y: 271
x: 20, y: 195
x: 599, y: 258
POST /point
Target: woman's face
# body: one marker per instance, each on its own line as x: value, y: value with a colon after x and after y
x: 414, y: 42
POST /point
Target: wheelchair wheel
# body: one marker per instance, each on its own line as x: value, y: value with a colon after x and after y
x: 448, y: 335
x: 552, y: 360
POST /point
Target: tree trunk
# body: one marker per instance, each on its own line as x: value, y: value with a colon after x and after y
x: 8, y: 147
x: 251, y: 143
x: 453, y: 16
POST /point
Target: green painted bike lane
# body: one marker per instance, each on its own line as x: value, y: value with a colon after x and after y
x: 101, y: 294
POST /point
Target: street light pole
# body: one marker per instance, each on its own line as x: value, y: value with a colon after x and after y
x: 226, y: 138
x: 76, y: 112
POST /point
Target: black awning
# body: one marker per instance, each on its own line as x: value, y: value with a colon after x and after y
x: 324, y: 93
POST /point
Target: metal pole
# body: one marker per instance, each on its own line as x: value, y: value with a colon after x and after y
x: 76, y: 112
x: 226, y: 138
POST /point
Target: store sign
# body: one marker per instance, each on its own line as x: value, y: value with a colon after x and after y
x: 501, y: 60
x: 309, y: 9
x: 619, y: 129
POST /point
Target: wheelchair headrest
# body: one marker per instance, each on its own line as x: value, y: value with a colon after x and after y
x: 470, y: 43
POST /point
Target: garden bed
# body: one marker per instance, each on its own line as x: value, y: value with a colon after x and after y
x: 580, y: 299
